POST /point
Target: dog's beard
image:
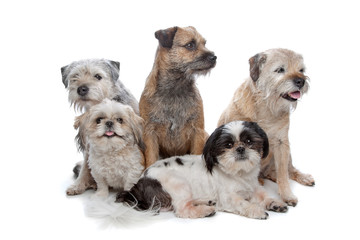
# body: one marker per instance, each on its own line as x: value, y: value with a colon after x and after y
x: 281, y: 95
x: 82, y: 103
x: 234, y: 163
x: 200, y: 67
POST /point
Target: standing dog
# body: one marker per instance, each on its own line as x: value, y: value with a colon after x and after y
x: 225, y: 178
x: 90, y: 81
x: 114, y: 135
x: 277, y: 80
x: 171, y: 104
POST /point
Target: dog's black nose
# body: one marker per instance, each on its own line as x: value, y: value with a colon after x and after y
x: 82, y: 90
x: 109, y: 124
x: 240, y: 150
x: 212, y: 58
x: 299, y: 82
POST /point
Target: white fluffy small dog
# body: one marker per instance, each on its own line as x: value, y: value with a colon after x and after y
x: 224, y: 178
x: 113, y: 135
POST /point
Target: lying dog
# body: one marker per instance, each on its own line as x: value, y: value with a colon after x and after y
x: 224, y: 178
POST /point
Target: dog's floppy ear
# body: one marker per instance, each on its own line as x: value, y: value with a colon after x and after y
x: 262, y: 134
x: 64, y: 75
x: 166, y: 36
x: 137, y: 127
x: 80, y: 136
x: 256, y: 63
x: 114, y: 68
x: 79, y: 120
x: 211, y: 149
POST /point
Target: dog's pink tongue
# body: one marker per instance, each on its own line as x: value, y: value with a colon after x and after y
x: 109, y: 134
x: 295, y: 95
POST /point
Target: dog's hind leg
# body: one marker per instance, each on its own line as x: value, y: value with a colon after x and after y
x: 84, y: 180
x: 152, y: 148
x: 198, y: 143
x: 195, y: 208
x: 185, y: 206
x: 296, y: 175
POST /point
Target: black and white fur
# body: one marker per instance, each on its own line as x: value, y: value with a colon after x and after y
x: 224, y: 178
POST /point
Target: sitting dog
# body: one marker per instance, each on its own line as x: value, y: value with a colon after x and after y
x: 113, y: 133
x: 224, y: 178
x: 90, y: 81
x: 170, y: 104
x: 277, y: 80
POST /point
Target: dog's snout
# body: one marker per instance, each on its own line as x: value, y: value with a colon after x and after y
x: 82, y: 90
x: 109, y: 124
x: 299, y: 82
x: 212, y: 58
x: 240, y: 150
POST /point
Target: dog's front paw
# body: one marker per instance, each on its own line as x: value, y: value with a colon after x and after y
x: 277, y: 206
x: 260, y: 215
x: 256, y: 212
x: 305, y: 179
x: 75, y: 190
x: 290, y: 200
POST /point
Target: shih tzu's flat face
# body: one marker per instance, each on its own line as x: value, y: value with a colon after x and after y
x: 235, y: 147
x: 113, y: 124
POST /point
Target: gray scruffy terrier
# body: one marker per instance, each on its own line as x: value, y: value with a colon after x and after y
x: 90, y: 81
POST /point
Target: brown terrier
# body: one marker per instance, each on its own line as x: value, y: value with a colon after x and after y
x: 171, y: 104
x: 277, y: 80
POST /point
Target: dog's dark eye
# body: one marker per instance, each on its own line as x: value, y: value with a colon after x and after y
x: 190, y: 46
x: 280, y: 70
x: 98, y: 120
x: 120, y: 120
x: 248, y: 142
x: 229, y: 145
x: 98, y: 77
x: 302, y: 70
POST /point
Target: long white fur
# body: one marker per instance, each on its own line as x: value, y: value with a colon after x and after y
x: 111, y: 214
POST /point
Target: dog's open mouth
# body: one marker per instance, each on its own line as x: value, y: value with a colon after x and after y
x: 292, y: 96
x: 110, y: 134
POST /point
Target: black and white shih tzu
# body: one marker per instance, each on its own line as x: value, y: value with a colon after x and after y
x: 224, y: 178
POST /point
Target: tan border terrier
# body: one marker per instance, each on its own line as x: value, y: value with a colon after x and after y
x: 171, y: 104
x: 277, y: 80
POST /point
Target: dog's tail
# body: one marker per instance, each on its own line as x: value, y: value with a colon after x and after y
x: 139, y: 205
x: 112, y: 214
x: 147, y: 194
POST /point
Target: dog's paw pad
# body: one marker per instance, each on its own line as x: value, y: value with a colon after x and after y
x: 72, y: 191
x: 291, y: 202
x: 264, y: 216
x: 277, y: 207
x: 211, y: 203
x: 211, y: 214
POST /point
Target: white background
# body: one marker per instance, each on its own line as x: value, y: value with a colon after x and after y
x: 37, y: 146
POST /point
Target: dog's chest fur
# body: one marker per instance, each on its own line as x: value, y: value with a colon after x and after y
x: 119, y: 168
x: 174, y: 104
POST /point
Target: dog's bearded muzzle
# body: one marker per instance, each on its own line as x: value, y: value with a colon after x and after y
x: 293, y: 96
